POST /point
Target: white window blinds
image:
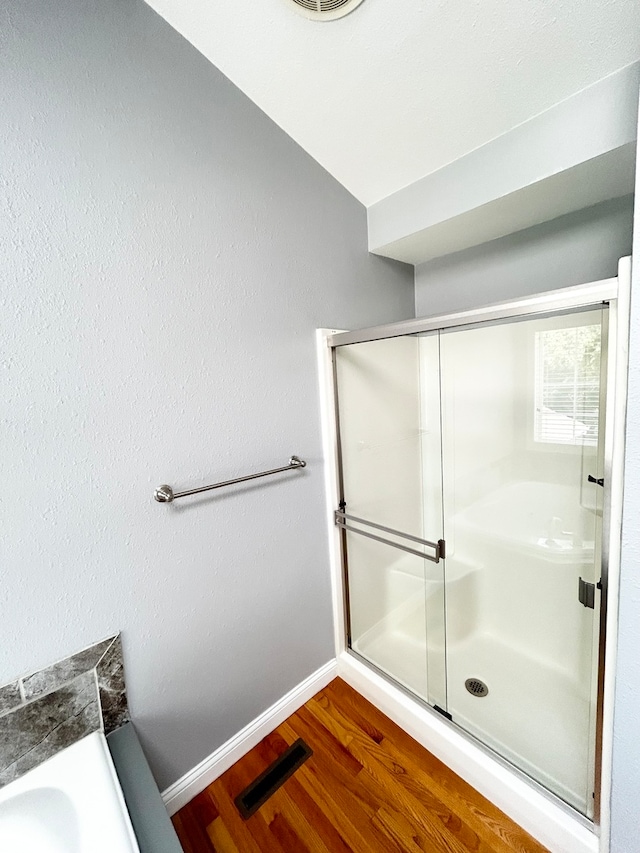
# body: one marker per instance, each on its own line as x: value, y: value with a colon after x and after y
x: 567, y: 385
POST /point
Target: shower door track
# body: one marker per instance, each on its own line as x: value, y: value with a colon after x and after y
x: 553, y: 302
x: 615, y: 293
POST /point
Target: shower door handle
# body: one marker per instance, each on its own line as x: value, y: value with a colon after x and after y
x: 599, y: 481
x: 586, y: 593
x: 439, y: 547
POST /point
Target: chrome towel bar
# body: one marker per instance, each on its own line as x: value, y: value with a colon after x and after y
x: 165, y: 494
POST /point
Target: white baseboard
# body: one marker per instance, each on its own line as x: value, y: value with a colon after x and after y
x: 192, y: 783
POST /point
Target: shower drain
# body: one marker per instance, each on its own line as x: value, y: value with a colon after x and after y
x: 476, y: 687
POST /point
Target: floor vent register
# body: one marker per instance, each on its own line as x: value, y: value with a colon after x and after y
x: 267, y: 783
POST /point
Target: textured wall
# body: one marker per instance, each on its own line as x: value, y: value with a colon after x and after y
x: 573, y: 249
x: 166, y: 254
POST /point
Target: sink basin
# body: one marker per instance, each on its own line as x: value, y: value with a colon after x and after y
x: 71, y: 803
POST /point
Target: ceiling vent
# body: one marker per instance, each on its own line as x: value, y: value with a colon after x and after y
x: 325, y: 10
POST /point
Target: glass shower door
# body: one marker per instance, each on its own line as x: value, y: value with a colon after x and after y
x: 523, y: 510
x: 486, y: 437
x: 389, y: 429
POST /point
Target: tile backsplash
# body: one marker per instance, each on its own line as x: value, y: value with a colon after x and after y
x: 48, y: 710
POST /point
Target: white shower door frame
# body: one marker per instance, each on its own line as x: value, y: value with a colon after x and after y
x: 542, y: 814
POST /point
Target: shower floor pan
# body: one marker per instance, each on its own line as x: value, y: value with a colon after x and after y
x: 534, y: 715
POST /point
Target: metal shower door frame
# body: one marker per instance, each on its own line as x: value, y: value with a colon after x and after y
x: 613, y: 293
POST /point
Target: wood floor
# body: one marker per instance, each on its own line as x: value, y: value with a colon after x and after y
x: 368, y: 787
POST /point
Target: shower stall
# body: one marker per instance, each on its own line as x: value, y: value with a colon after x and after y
x: 474, y: 456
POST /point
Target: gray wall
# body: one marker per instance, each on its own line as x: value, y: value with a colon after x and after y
x: 573, y: 249
x: 166, y: 254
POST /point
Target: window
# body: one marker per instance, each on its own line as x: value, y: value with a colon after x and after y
x: 567, y: 385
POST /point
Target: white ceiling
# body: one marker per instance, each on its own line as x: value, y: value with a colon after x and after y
x: 400, y: 88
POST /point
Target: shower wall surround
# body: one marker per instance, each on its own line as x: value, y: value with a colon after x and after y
x: 48, y: 710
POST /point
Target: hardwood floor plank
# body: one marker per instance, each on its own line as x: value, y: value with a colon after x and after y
x: 253, y: 832
x: 191, y: 834
x: 181, y: 832
x: 326, y: 836
x: 299, y: 810
x: 392, y: 773
x: 356, y: 827
x: 231, y: 818
x: 496, y: 829
x: 367, y: 788
x: 395, y: 770
x: 387, y: 776
x: 203, y: 808
x: 401, y: 832
x: 328, y: 743
x: 338, y: 800
x: 329, y: 837
x: 220, y: 837
x: 343, y: 795
x: 330, y: 765
x: 288, y: 837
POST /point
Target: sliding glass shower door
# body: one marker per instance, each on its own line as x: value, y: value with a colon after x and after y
x: 389, y: 424
x: 472, y: 483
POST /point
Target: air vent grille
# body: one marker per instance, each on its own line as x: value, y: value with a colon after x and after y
x: 326, y: 10
x: 261, y: 789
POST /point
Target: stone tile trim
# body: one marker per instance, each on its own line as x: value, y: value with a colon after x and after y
x: 37, y: 730
x: 48, y: 710
x: 10, y: 697
x: 111, y: 688
x: 60, y: 673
